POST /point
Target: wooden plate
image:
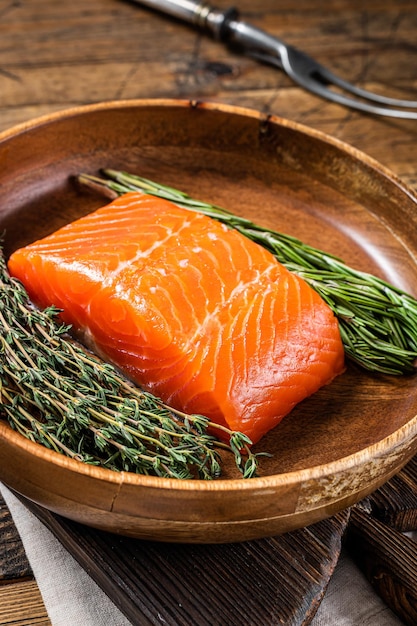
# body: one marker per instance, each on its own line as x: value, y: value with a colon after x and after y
x: 334, y: 448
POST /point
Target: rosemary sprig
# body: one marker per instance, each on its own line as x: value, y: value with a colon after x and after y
x: 378, y: 321
x: 56, y: 393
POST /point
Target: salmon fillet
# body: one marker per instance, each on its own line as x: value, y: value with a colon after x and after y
x: 190, y: 310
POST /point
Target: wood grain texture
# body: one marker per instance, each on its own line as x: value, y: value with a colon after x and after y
x: 388, y: 558
x: 21, y: 604
x: 280, y: 580
x: 13, y: 562
x: 395, y: 503
x: 376, y: 541
x: 54, y: 57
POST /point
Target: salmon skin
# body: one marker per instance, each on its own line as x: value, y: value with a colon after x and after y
x: 188, y: 309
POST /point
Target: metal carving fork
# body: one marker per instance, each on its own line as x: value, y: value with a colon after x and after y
x: 305, y: 71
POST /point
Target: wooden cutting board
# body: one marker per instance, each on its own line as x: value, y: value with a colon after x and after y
x: 376, y: 541
x: 20, y: 599
x: 279, y: 580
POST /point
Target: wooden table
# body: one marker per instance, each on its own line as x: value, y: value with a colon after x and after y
x: 54, y: 55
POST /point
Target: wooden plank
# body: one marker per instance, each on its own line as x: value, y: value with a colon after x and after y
x: 280, y: 580
x: 13, y: 561
x: 388, y: 559
x: 376, y: 542
x: 395, y: 503
x: 21, y: 604
x: 106, y: 50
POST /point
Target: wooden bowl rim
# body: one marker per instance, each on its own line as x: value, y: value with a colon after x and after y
x: 234, y: 110
x: 379, y: 449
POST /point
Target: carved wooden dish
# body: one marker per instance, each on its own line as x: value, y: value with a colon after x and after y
x: 337, y: 446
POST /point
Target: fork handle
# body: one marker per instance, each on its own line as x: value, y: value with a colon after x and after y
x: 223, y: 25
x: 197, y: 13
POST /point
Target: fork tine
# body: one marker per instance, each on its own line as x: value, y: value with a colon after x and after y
x: 307, y: 73
x: 366, y: 107
x: 333, y: 79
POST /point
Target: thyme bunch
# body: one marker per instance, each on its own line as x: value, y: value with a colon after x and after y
x: 57, y: 394
x: 377, y: 321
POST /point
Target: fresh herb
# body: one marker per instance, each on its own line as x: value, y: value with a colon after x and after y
x: 57, y: 394
x: 377, y: 321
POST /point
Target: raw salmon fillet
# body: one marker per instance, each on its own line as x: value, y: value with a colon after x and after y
x: 190, y: 310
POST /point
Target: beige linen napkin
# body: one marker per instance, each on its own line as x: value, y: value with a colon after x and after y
x: 72, y: 598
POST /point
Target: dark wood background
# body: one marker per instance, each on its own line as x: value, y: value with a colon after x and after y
x: 54, y: 55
